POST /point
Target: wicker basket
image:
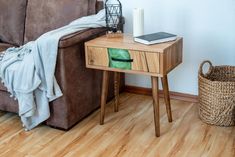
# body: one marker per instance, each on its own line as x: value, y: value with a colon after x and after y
x: 217, y: 95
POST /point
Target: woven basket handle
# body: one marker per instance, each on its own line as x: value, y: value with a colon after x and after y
x: 201, y: 68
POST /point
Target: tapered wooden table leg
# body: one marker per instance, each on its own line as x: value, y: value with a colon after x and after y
x: 104, y: 92
x: 116, y: 90
x: 167, y: 97
x: 156, y: 105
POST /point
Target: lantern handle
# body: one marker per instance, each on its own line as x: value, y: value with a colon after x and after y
x: 106, y: 1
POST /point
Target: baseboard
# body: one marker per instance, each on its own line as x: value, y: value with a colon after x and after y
x: 173, y: 95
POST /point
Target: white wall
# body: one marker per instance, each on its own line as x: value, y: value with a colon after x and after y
x: 208, y: 29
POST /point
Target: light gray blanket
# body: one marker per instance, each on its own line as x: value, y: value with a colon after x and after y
x: 28, y: 71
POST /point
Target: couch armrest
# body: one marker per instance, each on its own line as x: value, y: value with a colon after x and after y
x: 74, y: 38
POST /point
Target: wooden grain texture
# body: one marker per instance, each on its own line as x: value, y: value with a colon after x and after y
x: 173, y: 95
x: 104, y: 93
x: 164, y: 81
x: 116, y: 90
x: 139, y: 61
x: 124, y: 71
x: 153, y: 60
x: 97, y: 56
x: 127, y: 42
x: 127, y: 133
x: 172, y: 56
x: 156, y: 108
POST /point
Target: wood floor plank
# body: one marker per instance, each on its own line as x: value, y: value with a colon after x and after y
x: 127, y: 133
x: 12, y: 153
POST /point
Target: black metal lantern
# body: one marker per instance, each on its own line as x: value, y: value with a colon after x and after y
x: 113, y: 16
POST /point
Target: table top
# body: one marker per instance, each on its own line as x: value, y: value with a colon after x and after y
x: 126, y: 41
x: 154, y: 60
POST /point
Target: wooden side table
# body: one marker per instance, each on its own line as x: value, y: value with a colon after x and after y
x: 153, y: 60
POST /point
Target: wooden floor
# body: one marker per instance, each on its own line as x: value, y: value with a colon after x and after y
x: 128, y: 133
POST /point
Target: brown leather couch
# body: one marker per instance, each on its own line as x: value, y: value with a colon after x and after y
x: 25, y: 20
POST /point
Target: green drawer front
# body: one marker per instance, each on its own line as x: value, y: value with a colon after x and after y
x: 119, y: 58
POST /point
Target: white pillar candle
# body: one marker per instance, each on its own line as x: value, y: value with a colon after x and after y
x: 138, y: 22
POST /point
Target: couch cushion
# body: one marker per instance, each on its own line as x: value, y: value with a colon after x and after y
x: 3, y: 47
x: 7, y: 103
x: 12, y: 21
x: 2, y: 87
x: 45, y: 15
x: 99, y: 5
x: 92, y: 8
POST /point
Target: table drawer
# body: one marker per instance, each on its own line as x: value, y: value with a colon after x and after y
x: 138, y: 60
x: 97, y: 56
